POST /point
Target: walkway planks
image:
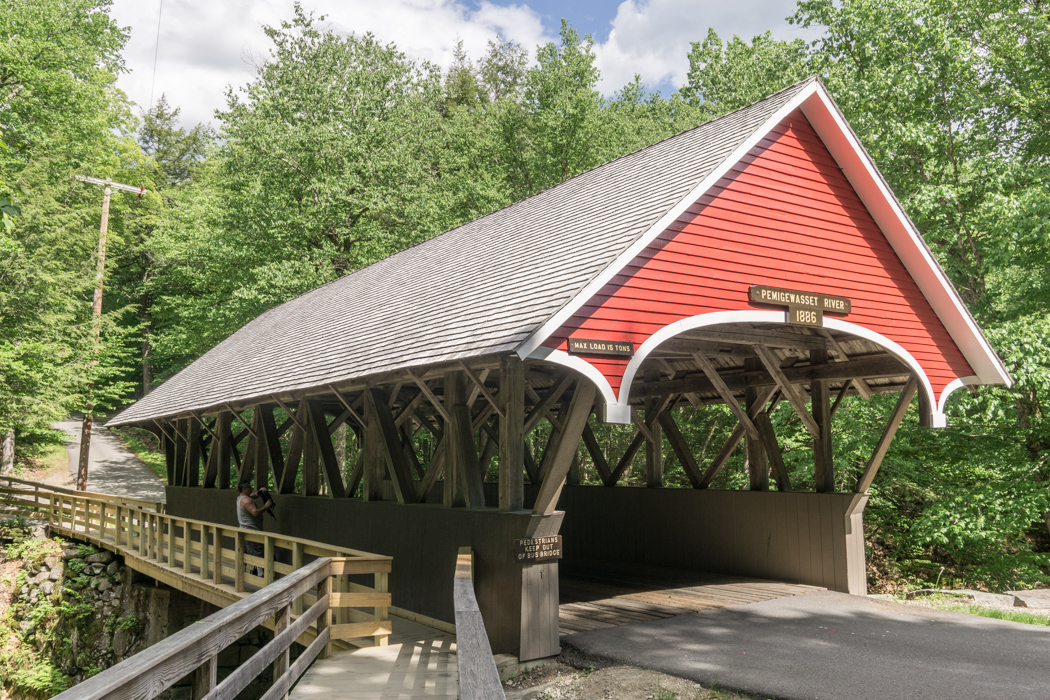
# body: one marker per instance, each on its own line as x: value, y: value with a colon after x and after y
x: 419, y: 662
x: 598, y: 599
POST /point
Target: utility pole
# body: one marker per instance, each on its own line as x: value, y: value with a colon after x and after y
x: 107, y: 186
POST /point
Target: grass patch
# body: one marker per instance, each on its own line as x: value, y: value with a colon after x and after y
x: 41, y: 455
x: 1028, y: 618
x: 956, y: 603
x: 145, y: 446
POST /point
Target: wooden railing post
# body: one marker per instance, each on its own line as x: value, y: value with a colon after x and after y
x: 324, y: 621
x: 238, y: 562
x: 216, y: 573
x: 280, y: 624
x: 205, y: 677
x: 297, y: 563
x: 268, y: 570
x: 205, y: 529
x: 382, y: 614
x: 169, y: 536
x: 187, y: 548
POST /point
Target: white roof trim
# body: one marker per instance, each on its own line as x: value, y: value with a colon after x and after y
x: 857, y: 166
x: 844, y: 146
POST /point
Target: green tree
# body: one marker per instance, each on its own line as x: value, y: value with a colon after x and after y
x: 556, y: 130
x: 60, y: 114
x: 726, y: 77
x: 175, y: 150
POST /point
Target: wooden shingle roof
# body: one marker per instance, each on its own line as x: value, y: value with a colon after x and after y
x: 479, y: 289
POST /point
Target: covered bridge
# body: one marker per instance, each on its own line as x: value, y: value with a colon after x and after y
x: 756, y: 259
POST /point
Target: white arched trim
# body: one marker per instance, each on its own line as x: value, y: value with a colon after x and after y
x: 952, y: 386
x: 719, y: 317
x: 591, y: 372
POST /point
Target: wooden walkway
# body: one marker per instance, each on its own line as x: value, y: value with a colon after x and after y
x: 598, y: 599
x: 418, y: 662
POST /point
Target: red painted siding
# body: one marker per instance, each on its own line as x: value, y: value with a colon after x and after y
x: 784, y: 216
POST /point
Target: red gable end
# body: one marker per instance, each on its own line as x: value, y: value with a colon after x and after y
x: 784, y: 216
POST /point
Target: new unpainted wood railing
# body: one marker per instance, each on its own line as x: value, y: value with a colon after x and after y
x: 478, y: 676
x: 196, y: 648
x: 14, y: 492
x: 214, y: 563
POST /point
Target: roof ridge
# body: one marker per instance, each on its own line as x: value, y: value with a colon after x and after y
x: 589, y: 171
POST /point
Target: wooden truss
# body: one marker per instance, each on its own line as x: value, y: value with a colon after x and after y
x: 415, y: 430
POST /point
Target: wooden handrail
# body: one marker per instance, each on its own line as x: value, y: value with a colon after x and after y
x: 140, y: 502
x: 478, y: 677
x: 210, y: 560
x: 148, y: 673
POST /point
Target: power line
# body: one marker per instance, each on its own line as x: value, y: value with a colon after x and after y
x: 156, y: 51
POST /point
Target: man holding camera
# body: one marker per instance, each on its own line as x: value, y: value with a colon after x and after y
x: 249, y: 516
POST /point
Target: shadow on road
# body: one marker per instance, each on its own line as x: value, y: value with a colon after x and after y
x: 832, y: 645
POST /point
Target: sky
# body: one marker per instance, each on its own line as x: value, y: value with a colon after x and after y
x: 206, y: 46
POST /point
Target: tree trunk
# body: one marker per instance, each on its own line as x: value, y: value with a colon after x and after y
x: 7, y: 453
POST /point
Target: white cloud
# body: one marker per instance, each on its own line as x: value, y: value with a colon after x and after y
x: 652, y: 37
x: 204, y: 46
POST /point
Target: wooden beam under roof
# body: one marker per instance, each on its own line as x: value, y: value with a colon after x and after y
x: 774, y: 338
x: 881, y: 365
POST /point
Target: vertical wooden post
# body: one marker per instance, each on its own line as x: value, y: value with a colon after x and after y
x: 118, y: 535
x: 193, y: 453
x: 372, y: 467
x: 325, y: 589
x: 297, y: 563
x: 281, y: 621
x: 311, y: 464
x: 757, y: 462
x: 187, y: 547
x: 654, y: 457
x: 180, y: 426
x: 143, y: 535
x: 824, y: 464
x: 169, y: 452
x: 268, y: 570
x: 262, y: 452
x: 205, y: 531
x: 223, y: 448
x: 171, y: 542
x: 381, y: 613
x: 216, y: 574
x: 238, y: 562
x: 205, y: 677
x: 454, y: 391
x: 461, y: 457
x: 512, y: 433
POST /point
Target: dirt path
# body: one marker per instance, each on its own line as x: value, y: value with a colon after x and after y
x: 112, y: 469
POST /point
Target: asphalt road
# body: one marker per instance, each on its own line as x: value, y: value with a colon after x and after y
x: 112, y: 468
x: 828, y: 645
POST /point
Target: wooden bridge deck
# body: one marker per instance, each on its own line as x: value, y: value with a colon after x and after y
x: 419, y: 661
x: 598, y: 599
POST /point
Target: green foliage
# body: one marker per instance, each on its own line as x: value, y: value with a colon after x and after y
x: 342, y: 151
x: 726, y: 77
x: 127, y: 623
x: 144, y: 444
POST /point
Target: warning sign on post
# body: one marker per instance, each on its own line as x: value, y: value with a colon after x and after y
x: 538, y: 549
